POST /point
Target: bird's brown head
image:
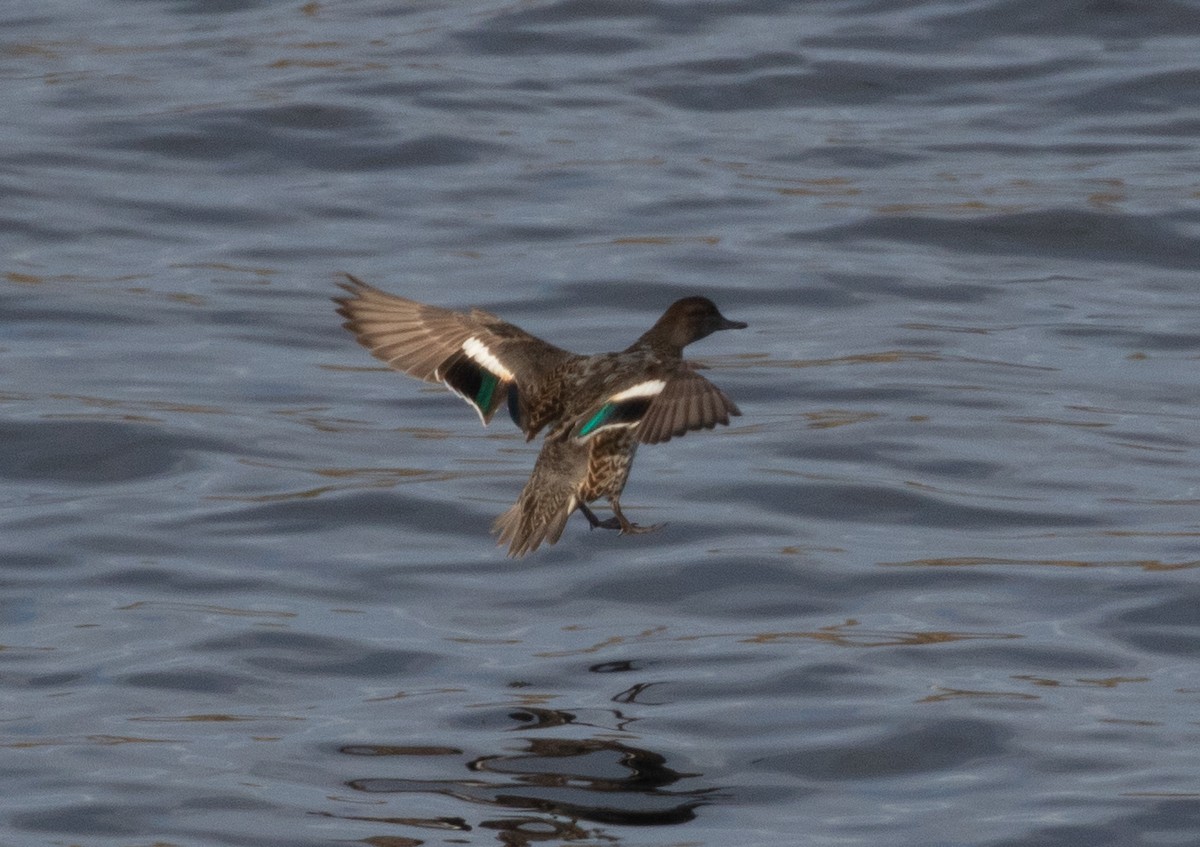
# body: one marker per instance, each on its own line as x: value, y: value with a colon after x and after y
x: 691, y: 319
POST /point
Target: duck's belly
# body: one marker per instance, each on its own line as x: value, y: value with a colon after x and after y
x: 609, y: 463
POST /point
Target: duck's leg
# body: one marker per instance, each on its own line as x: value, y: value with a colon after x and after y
x: 611, y: 523
x: 626, y: 525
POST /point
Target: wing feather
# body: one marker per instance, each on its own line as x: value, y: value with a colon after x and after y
x: 687, y: 403
x: 423, y: 341
x: 415, y: 337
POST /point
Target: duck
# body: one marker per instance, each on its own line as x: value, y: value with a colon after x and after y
x: 596, y: 410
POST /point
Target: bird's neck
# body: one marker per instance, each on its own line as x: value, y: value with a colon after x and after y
x: 658, y: 344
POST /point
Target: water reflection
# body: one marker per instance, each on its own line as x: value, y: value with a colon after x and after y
x: 563, y: 781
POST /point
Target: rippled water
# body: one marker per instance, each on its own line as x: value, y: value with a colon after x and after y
x: 936, y: 587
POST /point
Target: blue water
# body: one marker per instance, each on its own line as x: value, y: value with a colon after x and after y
x: 937, y: 586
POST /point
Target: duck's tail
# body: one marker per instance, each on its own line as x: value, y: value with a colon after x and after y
x: 548, y: 499
x: 524, y: 530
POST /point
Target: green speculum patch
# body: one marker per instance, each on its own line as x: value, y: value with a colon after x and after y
x: 487, y: 387
x: 473, y: 383
x: 597, y: 419
x: 625, y: 413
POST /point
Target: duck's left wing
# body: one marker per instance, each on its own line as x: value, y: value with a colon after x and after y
x: 660, y: 407
x: 686, y: 402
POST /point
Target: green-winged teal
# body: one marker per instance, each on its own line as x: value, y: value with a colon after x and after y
x: 596, y: 409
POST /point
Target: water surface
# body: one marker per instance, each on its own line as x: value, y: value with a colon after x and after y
x: 936, y: 587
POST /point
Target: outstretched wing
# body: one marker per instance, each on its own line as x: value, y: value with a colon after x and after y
x: 476, y: 355
x: 687, y: 402
x: 661, y: 408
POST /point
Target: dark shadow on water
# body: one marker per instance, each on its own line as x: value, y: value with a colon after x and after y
x: 1068, y: 234
x: 96, y: 452
x: 885, y: 505
x: 1166, y: 820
